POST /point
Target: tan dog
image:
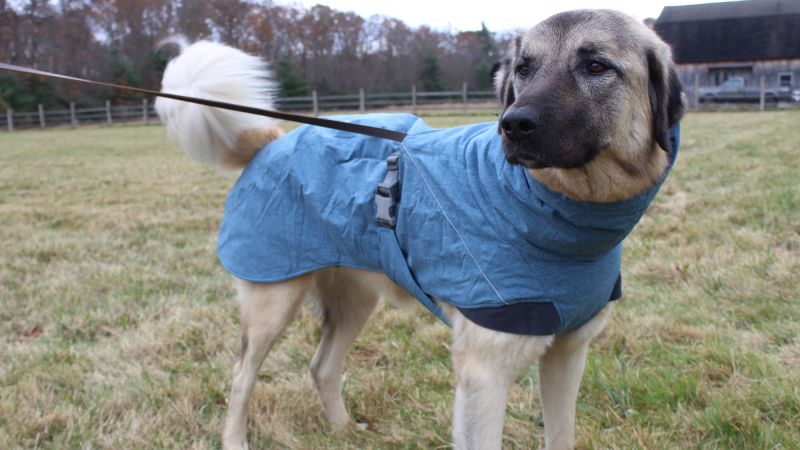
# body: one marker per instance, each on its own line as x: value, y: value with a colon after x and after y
x: 588, y: 98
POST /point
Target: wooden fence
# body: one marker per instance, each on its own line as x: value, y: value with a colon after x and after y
x: 74, y: 117
x: 413, y: 101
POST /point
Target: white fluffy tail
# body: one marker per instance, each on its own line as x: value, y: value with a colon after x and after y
x: 225, y: 139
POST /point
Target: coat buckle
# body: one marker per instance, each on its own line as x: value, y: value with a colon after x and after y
x: 388, y: 193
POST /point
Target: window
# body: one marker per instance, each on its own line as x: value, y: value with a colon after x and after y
x: 785, y: 79
x: 720, y: 74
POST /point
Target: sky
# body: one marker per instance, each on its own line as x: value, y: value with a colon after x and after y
x: 499, y: 15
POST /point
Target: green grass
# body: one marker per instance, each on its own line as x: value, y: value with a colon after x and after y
x: 118, y: 327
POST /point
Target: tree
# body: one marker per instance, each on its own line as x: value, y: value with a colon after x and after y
x: 132, y: 28
x: 430, y: 77
x: 290, y: 82
x: 24, y: 94
x: 8, y: 25
x: 192, y: 18
x: 311, y: 48
x: 229, y: 20
x: 483, y: 69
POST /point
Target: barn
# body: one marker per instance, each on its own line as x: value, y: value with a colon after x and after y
x: 749, y: 39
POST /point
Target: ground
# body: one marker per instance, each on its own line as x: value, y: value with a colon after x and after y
x: 118, y: 327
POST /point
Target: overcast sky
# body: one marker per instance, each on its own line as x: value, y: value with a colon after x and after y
x: 499, y: 15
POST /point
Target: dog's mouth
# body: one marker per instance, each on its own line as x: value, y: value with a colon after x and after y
x: 522, y: 154
x: 529, y: 156
x: 526, y: 161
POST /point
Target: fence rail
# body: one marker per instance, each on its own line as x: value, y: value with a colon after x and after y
x: 74, y: 117
x: 109, y: 114
x: 413, y: 101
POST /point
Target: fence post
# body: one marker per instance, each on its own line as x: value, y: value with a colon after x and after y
x: 73, y: 121
x: 315, y: 102
x: 413, y: 98
x: 10, y: 119
x: 108, y: 112
x: 41, y: 116
x: 761, y: 96
x: 144, y: 111
x: 464, y: 96
x: 696, y: 99
x: 362, y: 104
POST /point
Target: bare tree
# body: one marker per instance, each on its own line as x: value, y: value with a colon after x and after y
x: 317, y: 48
x: 193, y: 19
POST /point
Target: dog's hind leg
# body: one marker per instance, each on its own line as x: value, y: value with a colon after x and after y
x: 560, y: 372
x: 486, y: 362
x: 348, y: 299
x: 266, y: 310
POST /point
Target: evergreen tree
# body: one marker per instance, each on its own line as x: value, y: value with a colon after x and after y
x: 431, y: 77
x: 483, y: 73
x: 123, y: 73
x: 488, y: 44
x: 21, y: 94
x: 291, y: 84
x: 483, y: 70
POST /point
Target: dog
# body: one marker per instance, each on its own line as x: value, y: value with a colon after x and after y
x: 590, y: 101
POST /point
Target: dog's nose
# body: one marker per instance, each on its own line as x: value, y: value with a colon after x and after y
x: 519, y: 123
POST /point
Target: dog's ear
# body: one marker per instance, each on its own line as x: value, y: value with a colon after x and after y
x: 495, y: 68
x: 666, y: 98
x: 501, y: 75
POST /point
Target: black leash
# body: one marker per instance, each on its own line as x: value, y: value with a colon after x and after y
x: 382, y: 133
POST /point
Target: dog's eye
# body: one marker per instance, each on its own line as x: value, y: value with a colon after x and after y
x: 523, y: 70
x: 596, y: 68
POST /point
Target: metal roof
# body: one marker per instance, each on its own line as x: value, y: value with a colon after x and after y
x: 729, y: 10
x: 751, y: 30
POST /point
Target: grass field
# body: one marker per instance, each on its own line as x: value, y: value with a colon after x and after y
x: 118, y: 327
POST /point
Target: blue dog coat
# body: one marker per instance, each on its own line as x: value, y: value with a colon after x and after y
x: 471, y: 229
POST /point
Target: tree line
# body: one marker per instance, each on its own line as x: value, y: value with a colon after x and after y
x: 317, y: 48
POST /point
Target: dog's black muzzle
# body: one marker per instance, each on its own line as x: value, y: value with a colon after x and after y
x: 537, y: 139
x: 520, y: 127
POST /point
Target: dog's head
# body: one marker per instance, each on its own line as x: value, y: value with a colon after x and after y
x: 585, y: 82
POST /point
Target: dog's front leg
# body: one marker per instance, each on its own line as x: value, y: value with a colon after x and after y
x: 480, y: 404
x: 560, y: 372
x: 486, y: 362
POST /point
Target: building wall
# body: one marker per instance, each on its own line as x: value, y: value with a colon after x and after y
x: 762, y: 38
x: 713, y: 74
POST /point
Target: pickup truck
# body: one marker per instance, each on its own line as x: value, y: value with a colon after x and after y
x: 734, y: 90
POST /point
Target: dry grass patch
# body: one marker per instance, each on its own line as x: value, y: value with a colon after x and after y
x: 118, y: 328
